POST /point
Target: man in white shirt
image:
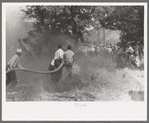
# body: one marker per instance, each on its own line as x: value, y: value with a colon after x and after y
x: 92, y: 50
x: 129, y: 50
x: 57, y: 61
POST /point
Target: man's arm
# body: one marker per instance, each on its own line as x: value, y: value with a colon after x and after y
x: 56, y: 55
x: 74, y: 57
x: 11, y: 62
x: 63, y: 57
x: 19, y: 66
x: 10, y: 66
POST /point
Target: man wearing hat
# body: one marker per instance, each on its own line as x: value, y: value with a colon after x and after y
x: 13, y: 63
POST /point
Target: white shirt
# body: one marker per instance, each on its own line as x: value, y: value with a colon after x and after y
x: 130, y: 49
x: 58, y: 54
x: 109, y: 50
x: 92, y: 49
x: 98, y: 49
x: 13, y: 62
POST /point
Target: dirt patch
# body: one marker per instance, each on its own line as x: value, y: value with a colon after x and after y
x: 137, y: 96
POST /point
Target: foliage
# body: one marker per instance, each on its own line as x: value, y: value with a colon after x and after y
x: 73, y: 21
x: 129, y: 20
x: 64, y: 19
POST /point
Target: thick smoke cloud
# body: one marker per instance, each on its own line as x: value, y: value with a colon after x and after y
x: 15, y: 28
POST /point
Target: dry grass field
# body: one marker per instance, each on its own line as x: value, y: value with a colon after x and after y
x: 94, y: 79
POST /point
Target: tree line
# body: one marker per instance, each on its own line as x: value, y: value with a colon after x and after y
x: 73, y: 21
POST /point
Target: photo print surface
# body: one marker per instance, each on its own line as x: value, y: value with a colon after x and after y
x: 77, y: 54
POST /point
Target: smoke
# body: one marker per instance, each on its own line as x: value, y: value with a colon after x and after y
x: 47, y: 43
x: 15, y: 28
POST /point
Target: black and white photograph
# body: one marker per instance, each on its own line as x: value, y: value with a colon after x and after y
x: 76, y: 53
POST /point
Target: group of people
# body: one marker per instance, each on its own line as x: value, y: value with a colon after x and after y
x: 131, y: 55
x: 96, y: 50
x: 120, y: 55
x: 60, y: 56
x: 87, y: 49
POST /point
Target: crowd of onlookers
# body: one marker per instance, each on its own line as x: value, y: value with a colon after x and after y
x: 124, y: 56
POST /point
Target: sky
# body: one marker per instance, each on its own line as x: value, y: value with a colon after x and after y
x: 16, y: 28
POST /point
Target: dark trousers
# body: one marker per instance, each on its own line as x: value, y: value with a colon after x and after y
x: 68, y: 66
x: 119, y: 61
x: 57, y: 63
x: 11, y: 78
x: 58, y: 74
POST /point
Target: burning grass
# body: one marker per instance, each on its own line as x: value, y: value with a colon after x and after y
x: 94, y: 79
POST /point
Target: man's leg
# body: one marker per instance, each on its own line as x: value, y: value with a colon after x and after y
x: 51, y: 68
x: 12, y: 81
x: 118, y: 61
x: 8, y: 78
x: 8, y: 75
x: 59, y: 72
x: 57, y: 63
x: 69, y: 67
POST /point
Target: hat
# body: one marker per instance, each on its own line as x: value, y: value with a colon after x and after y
x: 19, y: 51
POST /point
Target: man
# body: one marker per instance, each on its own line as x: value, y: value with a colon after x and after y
x: 97, y: 50
x: 130, y: 53
x: 92, y: 50
x: 69, y: 57
x: 110, y: 45
x: 109, y: 50
x: 129, y: 50
x: 120, y: 57
x: 13, y: 63
x: 57, y: 61
x: 137, y: 47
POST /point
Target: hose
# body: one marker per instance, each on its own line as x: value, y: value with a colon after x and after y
x: 33, y: 71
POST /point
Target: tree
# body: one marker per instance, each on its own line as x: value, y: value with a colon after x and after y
x: 73, y: 21
x: 51, y: 20
x: 129, y: 20
x: 65, y: 19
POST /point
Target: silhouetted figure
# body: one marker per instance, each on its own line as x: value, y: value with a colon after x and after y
x: 120, y: 58
x: 69, y: 57
x: 12, y: 64
x: 56, y: 62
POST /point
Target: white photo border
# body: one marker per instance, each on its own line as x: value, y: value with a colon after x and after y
x: 55, y: 111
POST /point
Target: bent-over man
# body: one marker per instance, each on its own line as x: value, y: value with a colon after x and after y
x: 13, y: 63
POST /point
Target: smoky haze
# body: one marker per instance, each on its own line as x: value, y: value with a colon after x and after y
x: 16, y: 28
x: 96, y: 75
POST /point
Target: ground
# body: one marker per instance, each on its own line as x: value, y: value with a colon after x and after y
x: 90, y: 82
